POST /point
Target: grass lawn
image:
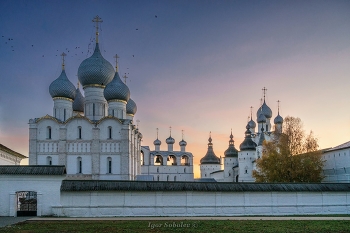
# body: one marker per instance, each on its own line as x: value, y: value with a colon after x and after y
x: 210, y: 226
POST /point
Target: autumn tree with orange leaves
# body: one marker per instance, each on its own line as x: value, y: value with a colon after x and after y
x: 291, y: 156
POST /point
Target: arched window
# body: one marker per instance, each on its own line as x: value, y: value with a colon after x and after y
x: 48, y: 136
x: 109, y: 165
x: 185, y: 161
x: 79, y: 132
x: 109, y: 132
x: 79, y: 165
x: 49, y: 160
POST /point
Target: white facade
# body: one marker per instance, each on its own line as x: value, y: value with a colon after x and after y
x: 167, y: 165
x: 9, y: 157
x: 337, y: 164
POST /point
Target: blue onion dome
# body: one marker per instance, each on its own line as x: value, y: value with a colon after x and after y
x: 95, y: 70
x: 231, y: 150
x: 210, y: 157
x: 131, y: 107
x: 278, y: 119
x: 261, y: 118
x: 117, y: 90
x: 265, y: 110
x: 183, y: 143
x: 251, y: 124
x: 62, y: 87
x: 170, y: 140
x: 78, y: 103
x: 157, y: 142
x: 248, y: 143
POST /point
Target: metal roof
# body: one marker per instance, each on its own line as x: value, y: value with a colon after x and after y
x: 33, y: 170
x: 12, y: 152
x: 340, y: 147
x: 107, y: 185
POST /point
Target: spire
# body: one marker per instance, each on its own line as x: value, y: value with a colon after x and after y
x: 231, y: 139
x: 116, y: 63
x: 264, y: 90
x: 251, y: 112
x: 231, y: 150
x: 170, y: 130
x: 97, y: 20
x: 210, y: 157
x: 278, y: 106
x: 63, y: 55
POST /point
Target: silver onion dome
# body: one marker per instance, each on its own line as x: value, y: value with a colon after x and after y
x: 157, y: 142
x: 251, y: 124
x: 265, y: 110
x: 95, y: 70
x: 231, y: 150
x: 62, y: 87
x: 248, y: 143
x: 261, y: 118
x: 117, y: 90
x: 183, y: 143
x: 278, y: 119
x: 78, y: 103
x: 170, y: 140
x: 210, y: 157
x: 131, y: 107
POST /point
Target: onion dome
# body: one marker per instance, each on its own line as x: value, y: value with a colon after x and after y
x: 231, y: 151
x: 210, y: 157
x: 117, y: 90
x: 261, y: 118
x: 265, y: 110
x: 78, y: 103
x: 131, y: 107
x: 183, y: 143
x: 251, y: 124
x: 95, y: 70
x: 278, y: 120
x: 170, y: 140
x: 248, y: 143
x: 157, y: 142
x: 62, y: 87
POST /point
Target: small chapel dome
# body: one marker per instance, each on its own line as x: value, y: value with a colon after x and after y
x: 170, y: 140
x: 131, y: 107
x: 265, y: 110
x: 78, y: 103
x: 157, y: 142
x: 278, y: 119
x: 62, y: 87
x: 183, y: 143
x: 248, y: 143
x: 251, y: 124
x: 95, y: 70
x: 231, y: 150
x: 210, y: 157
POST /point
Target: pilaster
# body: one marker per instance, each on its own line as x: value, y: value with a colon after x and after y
x: 95, y: 153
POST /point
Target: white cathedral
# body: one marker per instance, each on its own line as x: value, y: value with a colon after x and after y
x: 238, y: 166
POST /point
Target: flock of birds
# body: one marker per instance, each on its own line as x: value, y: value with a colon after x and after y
x: 9, y: 42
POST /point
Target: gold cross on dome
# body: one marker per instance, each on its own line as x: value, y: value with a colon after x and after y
x: 125, y: 77
x: 97, y: 20
x: 116, y: 62
x: 63, y: 55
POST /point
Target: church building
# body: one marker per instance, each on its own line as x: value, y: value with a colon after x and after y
x: 93, y: 136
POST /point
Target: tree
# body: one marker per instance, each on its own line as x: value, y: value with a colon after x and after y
x: 290, y: 156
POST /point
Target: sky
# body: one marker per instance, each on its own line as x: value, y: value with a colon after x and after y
x: 196, y: 66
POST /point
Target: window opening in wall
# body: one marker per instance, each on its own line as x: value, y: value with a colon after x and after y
x: 157, y: 178
x: 157, y: 169
x: 49, y: 160
x: 246, y: 171
x: 79, y: 132
x: 48, y: 132
x: 167, y: 178
x: 267, y: 128
x: 79, y: 165
x: 93, y: 109
x: 184, y: 170
x: 109, y: 164
x: 64, y: 114
x: 109, y: 132
x: 174, y: 178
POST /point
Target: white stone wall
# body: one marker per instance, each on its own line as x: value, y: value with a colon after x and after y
x: 47, y: 188
x: 337, y: 166
x: 246, y: 166
x: 206, y: 169
x: 8, y: 159
x: 189, y: 203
